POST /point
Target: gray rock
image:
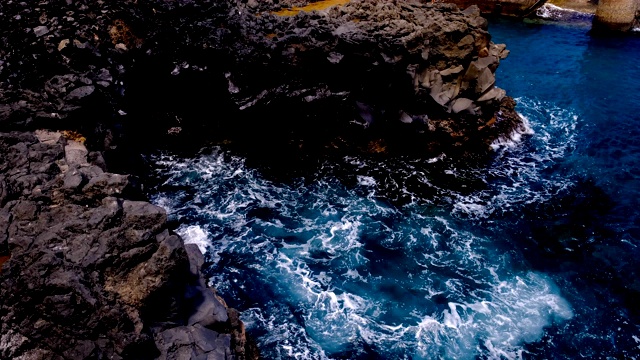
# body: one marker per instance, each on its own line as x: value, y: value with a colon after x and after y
x: 143, y: 215
x: 48, y: 137
x: 4, y: 192
x: 193, y: 342
x: 40, y: 31
x: 485, y: 80
x: 75, y: 153
x: 106, y: 184
x: 86, y: 262
x: 209, y: 310
x: 72, y: 180
x: 494, y: 94
x: 405, y: 118
x: 80, y: 92
x: 196, y: 259
x: 25, y: 210
x: 461, y: 104
x: 4, y: 227
x: 452, y: 70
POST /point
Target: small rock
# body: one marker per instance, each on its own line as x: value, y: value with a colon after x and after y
x: 335, y: 57
x: 40, y: 31
x: 63, y: 44
x: 81, y: 92
x: 72, y: 180
x: 461, y: 104
x: 493, y: 94
x: 79, y: 44
x: 48, y: 137
x: 405, y: 118
x: 75, y: 153
x: 452, y: 70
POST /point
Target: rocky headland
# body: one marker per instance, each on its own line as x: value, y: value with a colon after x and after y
x: 92, y: 270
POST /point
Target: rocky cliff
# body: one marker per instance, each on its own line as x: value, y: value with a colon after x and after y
x: 91, y: 270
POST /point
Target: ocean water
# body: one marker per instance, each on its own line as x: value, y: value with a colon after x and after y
x: 532, y: 255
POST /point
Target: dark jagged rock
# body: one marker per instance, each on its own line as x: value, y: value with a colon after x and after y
x: 91, y: 274
x: 255, y: 75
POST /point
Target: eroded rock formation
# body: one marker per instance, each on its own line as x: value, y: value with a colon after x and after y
x: 94, y: 273
x: 419, y: 71
x: 416, y: 76
x: 91, y: 270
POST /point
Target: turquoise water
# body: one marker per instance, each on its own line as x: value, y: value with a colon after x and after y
x: 533, y: 255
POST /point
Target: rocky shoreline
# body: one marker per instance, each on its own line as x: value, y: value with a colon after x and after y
x: 92, y: 270
x: 94, y: 273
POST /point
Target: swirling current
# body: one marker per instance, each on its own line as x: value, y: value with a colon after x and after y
x: 531, y: 255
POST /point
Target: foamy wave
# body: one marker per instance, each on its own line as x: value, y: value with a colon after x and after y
x: 553, y: 12
x: 520, y: 166
x: 515, y: 137
x: 194, y: 234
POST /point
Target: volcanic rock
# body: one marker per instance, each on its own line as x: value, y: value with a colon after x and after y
x: 92, y: 274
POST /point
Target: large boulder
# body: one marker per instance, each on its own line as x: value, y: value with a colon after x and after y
x: 615, y: 16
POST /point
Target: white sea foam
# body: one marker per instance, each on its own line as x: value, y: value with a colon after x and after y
x: 366, y: 180
x: 515, y: 137
x: 520, y: 165
x: 194, y: 234
x: 553, y: 12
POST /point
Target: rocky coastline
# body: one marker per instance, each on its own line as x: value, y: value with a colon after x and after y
x: 92, y: 270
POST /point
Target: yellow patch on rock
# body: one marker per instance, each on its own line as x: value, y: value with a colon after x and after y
x: 121, y: 33
x: 74, y: 135
x: 318, y: 5
x: 377, y: 146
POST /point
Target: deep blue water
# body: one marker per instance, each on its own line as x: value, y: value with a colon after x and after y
x: 534, y: 255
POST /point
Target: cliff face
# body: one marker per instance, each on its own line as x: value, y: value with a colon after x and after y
x: 418, y: 77
x: 91, y: 270
x: 422, y: 72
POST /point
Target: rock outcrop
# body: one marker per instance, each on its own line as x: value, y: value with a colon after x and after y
x: 91, y: 270
x: 93, y: 273
x: 416, y: 76
x: 615, y: 16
